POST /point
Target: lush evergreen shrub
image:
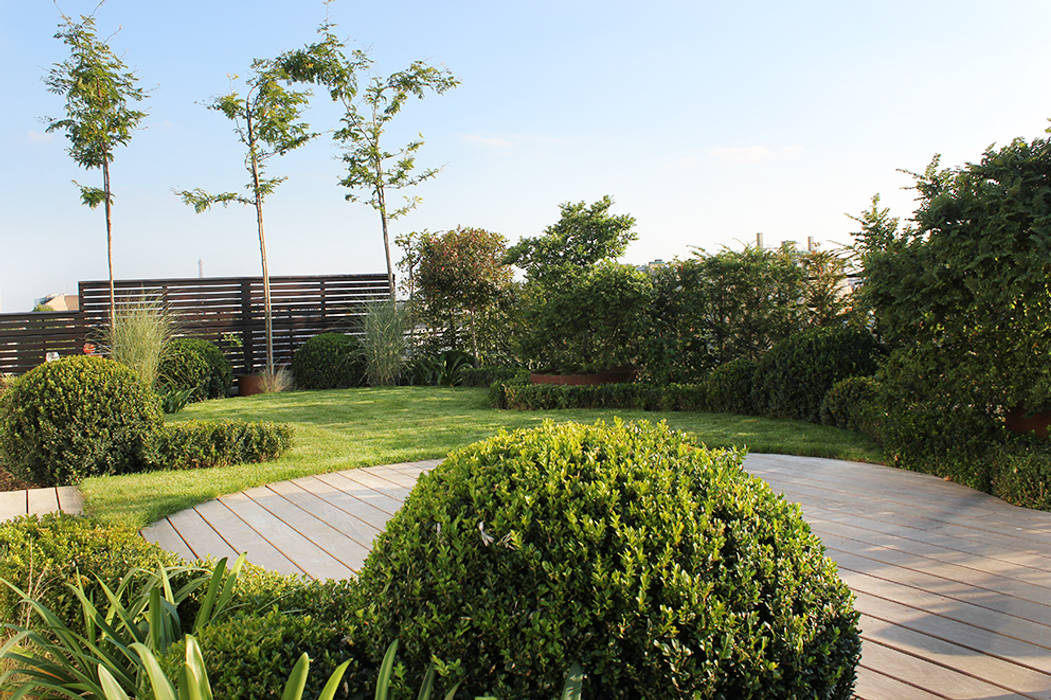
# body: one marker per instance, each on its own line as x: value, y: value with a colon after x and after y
x: 41, y: 554
x: 728, y: 387
x: 1021, y: 472
x: 444, y: 368
x: 197, y: 365
x: 76, y: 417
x: 661, y: 567
x: 249, y: 656
x: 794, y: 376
x: 850, y: 404
x: 648, y: 397
x: 485, y: 376
x: 199, y: 444
x: 329, y: 361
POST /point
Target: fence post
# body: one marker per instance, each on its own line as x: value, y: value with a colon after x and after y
x: 246, y: 325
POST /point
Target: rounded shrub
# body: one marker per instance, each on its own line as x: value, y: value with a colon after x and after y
x: 1021, y: 472
x: 329, y: 361
x: 41, y: 554
x: 729, y: 387
x: 660, y: 566
x: 76, y: 417
x: 795, y: 374
x: 198, y: 365
x: 850, y: 404
x: 250, y: 656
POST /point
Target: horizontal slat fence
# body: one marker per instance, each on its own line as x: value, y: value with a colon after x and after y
x: 216, y: 309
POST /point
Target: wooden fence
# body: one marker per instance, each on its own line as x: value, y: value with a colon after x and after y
x: 225, y: 310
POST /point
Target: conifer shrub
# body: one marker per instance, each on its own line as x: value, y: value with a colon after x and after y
x: 197, y: 365
x: 329, y: 361
x: 76, y: 417
x: 660, y: 566
x: 794, y: 376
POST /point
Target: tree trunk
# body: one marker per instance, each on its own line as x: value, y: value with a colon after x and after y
x: 267, y: 314
x: 474, y: 339
x: 109, y: 242
x: 382, y: 201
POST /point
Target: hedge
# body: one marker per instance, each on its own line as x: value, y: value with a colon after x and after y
x: 199, y: 444
x: 639, y: 396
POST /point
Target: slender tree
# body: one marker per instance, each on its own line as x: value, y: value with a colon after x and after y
x: 371, y: 169
x: 100, y: 93
x: 267, y: 121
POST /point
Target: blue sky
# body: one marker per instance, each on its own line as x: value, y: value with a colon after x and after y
x: 706, y: 121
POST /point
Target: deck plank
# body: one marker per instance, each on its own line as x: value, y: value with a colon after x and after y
x: 70, y: 499
x: 244, y: 539
x: 201, y: 537
x: 41, y: 501
x: 162, y: 533
x: 926, y: 675
x: 12, y: 504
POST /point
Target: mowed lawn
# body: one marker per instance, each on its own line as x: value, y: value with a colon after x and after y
x: 348, y: 428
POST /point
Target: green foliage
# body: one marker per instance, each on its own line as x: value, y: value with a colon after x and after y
x: 139, y: 337
x: 485, y: 376
x: 196, y: 365
x: 203, y: 444
x: 1021, y: 472
x: 41, y: 554
x: 793, y: 377
x: 385, y: 325
x: 329, y: 361
x: 728, y: 387
x: 76, y: 417
x: 732, y: 304
x: 851, y: 404
x: 441, y: 369
x: 249, y: 656
x: 969, y: 281
x: 587, y: 320
x: 582, y: 237
x: 652, y: 562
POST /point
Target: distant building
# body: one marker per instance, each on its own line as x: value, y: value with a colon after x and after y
x: 59, y: 302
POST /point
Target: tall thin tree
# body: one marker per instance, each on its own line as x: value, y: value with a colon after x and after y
x: 100, y: 91
x: 267, y: 121
x: 371, y: 170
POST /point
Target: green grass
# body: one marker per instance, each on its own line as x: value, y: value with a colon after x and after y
x: 360, y: 427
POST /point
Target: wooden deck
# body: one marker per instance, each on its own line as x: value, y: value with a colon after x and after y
x: 954, y: 586
x: 39, y: 501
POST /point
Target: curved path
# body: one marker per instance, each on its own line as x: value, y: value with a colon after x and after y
x: 954, y: 586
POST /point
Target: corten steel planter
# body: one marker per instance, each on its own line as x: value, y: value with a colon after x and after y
x: 249, y: 384
x: 1017, y: 421
x: 618, y: 375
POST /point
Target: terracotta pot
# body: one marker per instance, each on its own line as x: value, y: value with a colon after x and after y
x: 1017, y: 421
x: 610, y: 376
x: 249, y: 384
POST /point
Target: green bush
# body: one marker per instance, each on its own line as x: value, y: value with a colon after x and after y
x: 485, y: 376
x: 329, y: 361
x: 41, y: 554
x: 850, y: 404
x: 249, y: 656
x: 197, y: 365
x: 76, y: 417
x: 728, y: 387
x: 1021, y: 472
x: 648, y: 397
x: 445, y: 368
x: 199, y: 444
x: 654, y: 563
x: 794, y: 376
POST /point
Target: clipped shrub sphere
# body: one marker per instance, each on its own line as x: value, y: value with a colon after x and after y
x: 793, y: 376
x: 76, y: 417
x: 851, y: 404
x: 660, y: 566
x: 329, y: 361
x: 194, y: 363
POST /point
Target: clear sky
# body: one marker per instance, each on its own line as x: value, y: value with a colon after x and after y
x: 706, y: 121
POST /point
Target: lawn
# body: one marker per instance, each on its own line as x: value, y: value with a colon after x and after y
x: 361, y: 427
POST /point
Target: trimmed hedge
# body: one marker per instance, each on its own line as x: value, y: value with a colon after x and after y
x: 485, y: 376
x: 199, y: 444
x: 41, y: 554
x: 851, y: 404
x: 197, y: 365
x: 1021, y: 472
x: 654, y: 563
x: 250, y: 656
x: 329, y: 361
x: 647, y: 397
x: 76, y: 417
x: 729, y: 387
x: 794, y: 376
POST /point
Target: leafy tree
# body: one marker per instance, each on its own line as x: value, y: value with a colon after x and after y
x: 583, y: 236
x: 267, y: 122
x: 100, y: 92
x: 460, y: 273
x: 371, y: 169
